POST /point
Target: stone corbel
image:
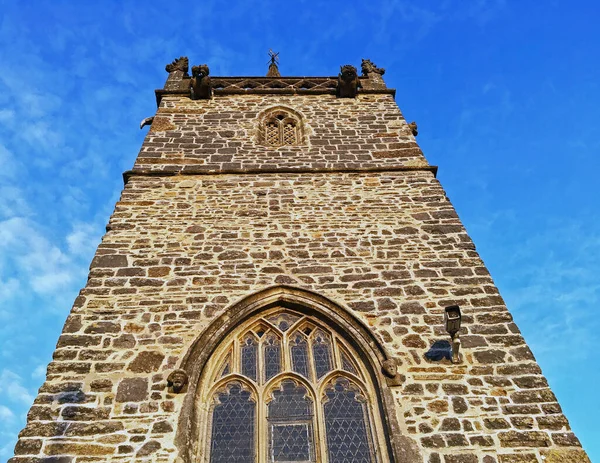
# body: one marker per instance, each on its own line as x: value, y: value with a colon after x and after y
x: 389, y: 367
x: 177, y: 381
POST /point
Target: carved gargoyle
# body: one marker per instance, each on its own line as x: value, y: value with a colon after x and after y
x: 177, y: 380
x: 200, y: 86
x: 413, y: 128
x: 367, y: 66
x: 390, y: 370
x: 179, y: 64
x: 348, y: 82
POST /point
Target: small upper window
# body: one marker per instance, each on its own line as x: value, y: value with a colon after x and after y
x: 281, y: 128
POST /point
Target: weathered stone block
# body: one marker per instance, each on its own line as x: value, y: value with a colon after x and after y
x: 132, y: 390
x: 72, y: 448
x: 81, y: 413
x: 149, y: 448
x: 109, y: 261
x: 524, y: 439
x: 101, y: 327
x: 461, y: 458
x: 146, y: 362
x: 496, y: 423
x: 518, y: 458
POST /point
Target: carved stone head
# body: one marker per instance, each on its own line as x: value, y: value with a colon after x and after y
x: 177, y: 380
x: 390, y: 368
x: 413, y: 128
x: 200, y: 71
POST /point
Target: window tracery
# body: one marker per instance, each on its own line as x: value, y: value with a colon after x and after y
x: 290, y: 390
x: 281, y: 127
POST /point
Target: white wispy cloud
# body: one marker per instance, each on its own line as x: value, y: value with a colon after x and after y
x: 6, y: 414
x: 39, y: 372
x: 11, y: 386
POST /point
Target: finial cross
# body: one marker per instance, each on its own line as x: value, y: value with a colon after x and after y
x: 274, y: 57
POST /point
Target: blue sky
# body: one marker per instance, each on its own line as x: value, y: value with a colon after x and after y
x: 506, y: 95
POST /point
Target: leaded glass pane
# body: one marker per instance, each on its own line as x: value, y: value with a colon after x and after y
x: 232, y: 437
x: 249, y: 357
x: 226, y: 367
x: 226, y: 370
x: 272, y: 355
x: 347, y: 363
x: 346, y: 426
x: 299, y: 353
x: 290, y: 442
x: 283, y: 320
x: 322, y: 354
x: 290, y: 416
x: 290, y: 400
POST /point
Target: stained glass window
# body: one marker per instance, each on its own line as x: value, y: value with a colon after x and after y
x: 299, y: 351
x: 272, y: 356
x: 233, y: 423
x: 322, y: 354
x: 347, y: 363
x: 286, y: 357
x: 290, y: 417
x: 283, y: 320
x: 345, y: 425
x: 249, y: 358
x: 226, y: 367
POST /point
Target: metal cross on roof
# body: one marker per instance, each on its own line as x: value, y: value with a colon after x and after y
x: 274, y: 57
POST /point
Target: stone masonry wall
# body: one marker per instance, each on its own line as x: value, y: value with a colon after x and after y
x: 220, y: 134
x: 386, y: 245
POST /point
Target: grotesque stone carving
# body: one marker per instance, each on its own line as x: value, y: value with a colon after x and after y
x: 177, y: 380
x: 390, y: 370
x: 146, y: 121
x: 413, y: 128
x: 348, y: 82
x: 200, y: 86
x: 367, y: 66
x: 179, y: 64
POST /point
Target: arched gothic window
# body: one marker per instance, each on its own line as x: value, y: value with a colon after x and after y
x: 280, y: 127
x: 283, y: 387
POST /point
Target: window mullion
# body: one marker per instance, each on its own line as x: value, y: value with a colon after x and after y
x: 281, y: 139
x: 286, y: 348
x: 262, y: 428
x: 236, y: 366
x: 320, y: 434
x: 312, y: 368
x: 335, y: 355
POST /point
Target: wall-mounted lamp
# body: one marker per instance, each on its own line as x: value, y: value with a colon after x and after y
x: 452, y: 319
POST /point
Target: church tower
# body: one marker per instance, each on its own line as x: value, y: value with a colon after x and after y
x: 284, y: 280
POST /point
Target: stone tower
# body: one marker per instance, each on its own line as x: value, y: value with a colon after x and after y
x: 274, y: 285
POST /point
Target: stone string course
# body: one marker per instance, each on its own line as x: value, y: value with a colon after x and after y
x: 387, y: 245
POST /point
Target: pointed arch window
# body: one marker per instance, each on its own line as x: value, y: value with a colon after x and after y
x: 281, y: 127
x: 284, y: 387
